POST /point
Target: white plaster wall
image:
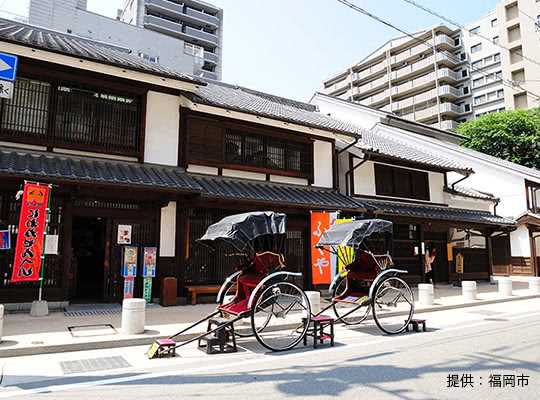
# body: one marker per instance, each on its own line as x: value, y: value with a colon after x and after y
x: 167, y: 232
x: 346, y: 112
x: 462, y: 202
x: 364, y: 179
x: 436, y: 185
x: 202, y: 169
x: 519, y: 242
x: 343, y: 167
x: 322, y: 159
x: 288, y: 180
x: 161, y: 137
x: 234, y: 173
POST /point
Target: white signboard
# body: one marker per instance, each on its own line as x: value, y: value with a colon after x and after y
x: 124, y: 234
x: 51, y: 246
x: 6, y: 90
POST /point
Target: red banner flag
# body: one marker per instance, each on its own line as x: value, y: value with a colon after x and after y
x: 322, y: 262
x: 31, y: 233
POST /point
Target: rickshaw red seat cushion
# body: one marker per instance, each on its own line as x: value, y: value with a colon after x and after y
x: 361, y: 275
x: 363, y: 264
x: 235, y: 308
x: 251, y: 278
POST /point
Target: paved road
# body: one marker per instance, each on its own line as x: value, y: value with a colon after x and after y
x: 471, y: 344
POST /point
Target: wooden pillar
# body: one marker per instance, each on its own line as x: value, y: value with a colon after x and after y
x: 420, y: 254
x: 182, y: 243
x: 66, y: 248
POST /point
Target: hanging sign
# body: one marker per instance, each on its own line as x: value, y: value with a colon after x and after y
x: 459, y: 263
x: 129, y: 284
x: 124, y: 234
x: 30, y: 237
x: 322, y: 262
x: 5, y: 240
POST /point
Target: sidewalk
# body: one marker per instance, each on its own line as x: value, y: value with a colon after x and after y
x: 24, y: 335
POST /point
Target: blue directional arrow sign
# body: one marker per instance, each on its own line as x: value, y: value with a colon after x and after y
x: 8, y: 66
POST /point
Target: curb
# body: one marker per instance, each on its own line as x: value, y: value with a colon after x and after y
x: 148, y: 340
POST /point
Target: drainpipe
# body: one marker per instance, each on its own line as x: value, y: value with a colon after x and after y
x: 347, y: 174
x: 349, y: 145
x: 461, y: 180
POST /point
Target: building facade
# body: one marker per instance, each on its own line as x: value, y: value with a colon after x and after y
x: 184, y: 37
x: 507, y: 189
x: 445, y: 76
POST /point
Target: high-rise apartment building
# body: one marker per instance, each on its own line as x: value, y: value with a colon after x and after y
x: 183, y: 35
x: 445, y: 76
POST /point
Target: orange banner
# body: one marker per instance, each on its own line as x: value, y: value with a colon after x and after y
x: 322, y: 262
x: 31, y: 233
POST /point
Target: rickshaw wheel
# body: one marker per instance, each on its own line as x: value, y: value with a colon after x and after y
x: 392, y: 305
x: 280, y: 316
x: 230, y: 292
x: 341, y: 309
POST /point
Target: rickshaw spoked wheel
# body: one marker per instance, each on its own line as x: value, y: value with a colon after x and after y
x: 341, y: 309
x: 278, y: 316
x: 392, y: 305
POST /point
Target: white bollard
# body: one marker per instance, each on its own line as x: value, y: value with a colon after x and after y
x: 426, y: 294
x: 505, y: 286
x: 314, y: 301
x: 469, y: 290
x: 534, y: 285
x: 1, y: 321
x: 133, y: 316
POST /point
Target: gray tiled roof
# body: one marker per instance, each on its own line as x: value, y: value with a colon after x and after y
x: 275, y: 193
x: 41, y: 165
x: 250, y: 101
x: 258, y: 103
x: 469, y: 192
x: 76, y: 46
x: 395, y: 148
x: 440, y: 213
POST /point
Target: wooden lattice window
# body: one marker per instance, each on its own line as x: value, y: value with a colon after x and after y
x: 49, y: 112
x: 400, y: 182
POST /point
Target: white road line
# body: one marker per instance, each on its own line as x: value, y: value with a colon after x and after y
x: 111, y: 381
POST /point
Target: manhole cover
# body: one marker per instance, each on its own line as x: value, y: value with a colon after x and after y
x: 92, y: 330
x: 93, y: 364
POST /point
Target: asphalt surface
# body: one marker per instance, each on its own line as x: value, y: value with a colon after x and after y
x: 471, y: 348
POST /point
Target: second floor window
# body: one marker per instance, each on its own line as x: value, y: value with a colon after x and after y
x: 400, y: 182
x: 64, y: 115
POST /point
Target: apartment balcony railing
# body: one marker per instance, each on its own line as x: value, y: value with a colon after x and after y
x: 209, y: 19
x: 199, y: 35
x: 373, y: 70
x: 445, y: 40
x: 448, y: 125
x: 413, y: 68
x: 445, y: 90
x: 371, y: 86
x: 377, y: 98
x: 162, y: 25
x: 209, y: 75
x: 211, y: 57
x: 338, y: 86
x: 431, y: 112
x: 165, y: 7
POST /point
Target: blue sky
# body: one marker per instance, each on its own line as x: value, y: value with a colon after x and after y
x: 287, y: 47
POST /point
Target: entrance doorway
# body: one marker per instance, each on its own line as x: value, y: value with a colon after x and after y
x: 88, y: 245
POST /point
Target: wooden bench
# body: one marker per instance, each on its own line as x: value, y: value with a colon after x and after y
x: 194, y: 290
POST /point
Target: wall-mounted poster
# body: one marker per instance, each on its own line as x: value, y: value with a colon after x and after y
x: 129, y: 261
x: 149, y: 262
x: 124, y: 234
x: 5, y: 240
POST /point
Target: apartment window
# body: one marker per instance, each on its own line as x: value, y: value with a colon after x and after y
x: 477, y: 64
x: 475, y: 30
x: 479, y: 99
x: 466, y: 90
x: 148, y: 57
x: 477, y: 82
x: 464, y: 73
x: 496, y: 40
x: 476, y: 48
x: 537, y: 24
x: 467, y: 107
x: 400, y: 182
x: 494, y: 23
x: 497, y: 57
x: 500, y: 93
x: 463, y: 56
x: 456, y: 41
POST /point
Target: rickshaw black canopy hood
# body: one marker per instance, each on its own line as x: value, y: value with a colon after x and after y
x: 354, y: 232
x: 239, y: 229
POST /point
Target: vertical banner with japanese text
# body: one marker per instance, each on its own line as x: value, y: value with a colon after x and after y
x: 30, y: 237
x: 322, y: 262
